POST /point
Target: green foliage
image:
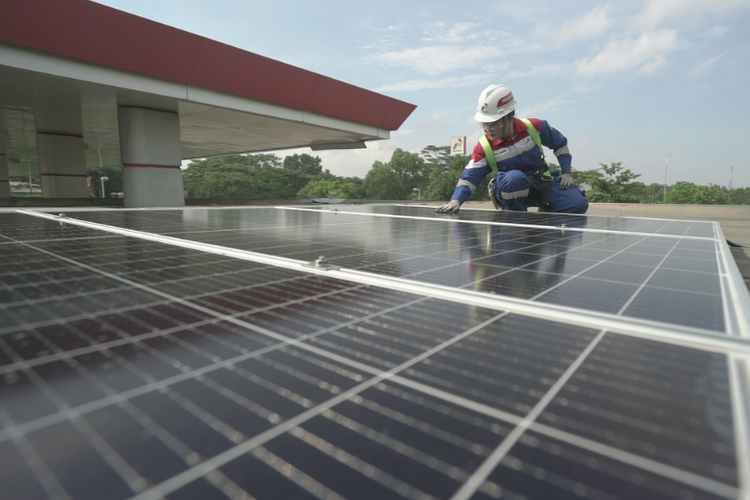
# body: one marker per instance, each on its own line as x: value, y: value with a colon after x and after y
x: 586, y: 178
x: 689, y: 193
x: 242, y: 176
x: 613, y: 185
x: 443, y: 171
x: 434, y: 171
x: 739, y: 196
x: 329, y: 189
x: 396, y: 179
x: 303, y: 163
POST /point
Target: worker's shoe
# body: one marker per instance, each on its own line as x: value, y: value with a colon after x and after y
x: 491, y: 193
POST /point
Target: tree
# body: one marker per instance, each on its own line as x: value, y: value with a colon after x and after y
x: 614, y: 185
x: 443, y: 170
x: 585, y: 178
x: 689, y: 194
x: 329, y: 189
x: 396, y: 179
x: 303, y: 163
x: 739, y: 196
x: 242, y: 176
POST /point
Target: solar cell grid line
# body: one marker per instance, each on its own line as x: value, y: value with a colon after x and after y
x: 217, y: 461
x: 598, y: 221
x: 480, y: 475
x: 233, y: 245
x: 100, y: 219
x: 492, y: 462
x: 285, y: 340
x: 112, y: 457
x: 127, y: 476
x: 479, y: 210
x: 705, y: 235
x: 615, y: 399
x: 439, y: 292
x: 571, y: 220
x: 142, y: 221
x: 48, y: 483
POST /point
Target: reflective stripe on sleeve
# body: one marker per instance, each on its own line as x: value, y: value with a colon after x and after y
x: 477, y: 164
x: 562, y: 151
x: 466, y: 183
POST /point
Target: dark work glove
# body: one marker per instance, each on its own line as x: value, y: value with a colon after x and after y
x: 566, y: 181
x: 448, y: 208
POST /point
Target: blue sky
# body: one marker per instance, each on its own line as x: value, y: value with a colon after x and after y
x: 630, y: 81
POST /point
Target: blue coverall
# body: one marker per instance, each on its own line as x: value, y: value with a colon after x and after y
x: 518, y: 159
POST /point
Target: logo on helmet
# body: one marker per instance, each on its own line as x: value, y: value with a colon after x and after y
x: 484, y: 108
x: 505, y: 100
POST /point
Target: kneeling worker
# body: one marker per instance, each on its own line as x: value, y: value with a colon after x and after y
x: 512, y: 149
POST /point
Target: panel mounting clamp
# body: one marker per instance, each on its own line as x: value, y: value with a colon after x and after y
x: 322, y: 263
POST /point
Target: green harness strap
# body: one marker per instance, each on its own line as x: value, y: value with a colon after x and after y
x: 546, y: 175
x: 534, y: 135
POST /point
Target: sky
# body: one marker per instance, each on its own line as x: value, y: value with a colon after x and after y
x: 626, y: 81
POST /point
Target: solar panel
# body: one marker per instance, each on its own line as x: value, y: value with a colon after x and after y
x: 212, y: 353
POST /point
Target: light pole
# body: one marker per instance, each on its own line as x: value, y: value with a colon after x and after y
x: 419, y: 192
x: 101, y: 183
x: 666, y: 166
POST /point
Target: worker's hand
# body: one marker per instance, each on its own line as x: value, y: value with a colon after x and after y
x: 449, y: 208
x: 566, y: 181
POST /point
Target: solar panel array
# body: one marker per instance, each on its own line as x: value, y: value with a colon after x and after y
x: 202, y: 353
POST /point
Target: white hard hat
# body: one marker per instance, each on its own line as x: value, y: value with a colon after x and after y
x: 495, y: 102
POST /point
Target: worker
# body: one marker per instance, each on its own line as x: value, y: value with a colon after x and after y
x: 512, y: 148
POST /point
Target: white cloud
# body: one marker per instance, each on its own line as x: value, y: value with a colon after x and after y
x: 592, y: 25
x: 715, y: 32
x: 703, y: 67
x: 646, y: 52
x: 657, y: 11
x: 436, y: 118
x: 458, y: 33
x: 435, y: 59
x: 541, y: 70
x: 443, y: 83
x: 461, y: 46
x: 551, y: 105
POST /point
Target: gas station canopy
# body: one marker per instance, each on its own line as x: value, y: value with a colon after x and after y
x: 67, y: 66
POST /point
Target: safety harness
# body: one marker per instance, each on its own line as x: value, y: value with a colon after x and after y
x: 543, y: 173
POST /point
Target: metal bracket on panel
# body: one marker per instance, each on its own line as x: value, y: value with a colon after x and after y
x: 322, y: 263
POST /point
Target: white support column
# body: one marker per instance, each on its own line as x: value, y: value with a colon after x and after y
x: 62, y: 165
x: 151, y: 157
x: 4, y: 180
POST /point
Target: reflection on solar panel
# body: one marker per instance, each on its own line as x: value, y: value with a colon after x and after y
x: 370, y: 352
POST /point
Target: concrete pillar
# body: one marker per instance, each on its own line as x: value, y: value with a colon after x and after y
x: 151, y: 157
x: 4, y: 181
x: 62, y: 165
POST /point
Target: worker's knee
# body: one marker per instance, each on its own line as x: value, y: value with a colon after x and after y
x: 512, y: 181
x: 580, y: 206
x: 569, y: 201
